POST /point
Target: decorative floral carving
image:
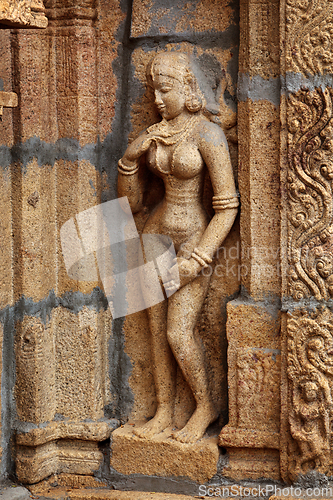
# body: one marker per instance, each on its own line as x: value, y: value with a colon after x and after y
x: 309, y: 25
x: 310, y: 175
x: 310, y: 371
x: 23, y: 13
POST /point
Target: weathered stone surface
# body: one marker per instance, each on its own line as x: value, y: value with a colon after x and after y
x: 73, y: 96
x: 163, y: 456
x: 14, y: 492
x: 94, y: 494
x: 23, y: 13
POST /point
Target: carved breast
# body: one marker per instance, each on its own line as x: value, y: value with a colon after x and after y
x: 187, y: 161
x: 184, y: 160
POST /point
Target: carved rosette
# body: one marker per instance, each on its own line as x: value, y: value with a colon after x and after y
x: 23, y: 13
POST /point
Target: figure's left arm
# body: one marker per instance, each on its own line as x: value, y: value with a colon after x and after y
x: 213, y: 147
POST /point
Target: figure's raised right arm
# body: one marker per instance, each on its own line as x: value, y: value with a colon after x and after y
x: 128, y: 168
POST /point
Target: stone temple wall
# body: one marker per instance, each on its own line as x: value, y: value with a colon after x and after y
x: 75, y: 381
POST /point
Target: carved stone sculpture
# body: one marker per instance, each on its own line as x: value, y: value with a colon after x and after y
x: 23, y: 13
x: 310, y: 194
x: 179, y: 149
x: 310, y: 371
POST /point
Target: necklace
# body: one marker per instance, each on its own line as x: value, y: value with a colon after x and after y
x: 163, y: 136
x: 162, y: 133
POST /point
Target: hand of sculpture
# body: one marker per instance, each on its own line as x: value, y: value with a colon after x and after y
x: 137, y: 148
x: 188, y: 269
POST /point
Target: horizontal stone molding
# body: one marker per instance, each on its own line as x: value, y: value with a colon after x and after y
x: 86, y: 431
x: 245, y: 438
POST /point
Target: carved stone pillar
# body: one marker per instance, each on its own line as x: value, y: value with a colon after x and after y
x: 60, y: 328
x: 252, y: 434
x: 17, y: 14
x: 306, y: 155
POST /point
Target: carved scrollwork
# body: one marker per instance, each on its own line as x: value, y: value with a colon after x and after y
x: 310, y: 176
x: 258, y: 373
x: 310, y: 371
x: 310, y: 32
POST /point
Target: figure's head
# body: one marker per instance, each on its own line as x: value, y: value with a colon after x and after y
x: 310, y: 391
x: 174, y: 84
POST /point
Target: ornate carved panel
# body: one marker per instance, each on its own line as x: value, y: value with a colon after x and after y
x: 310, y: 374
x: 308, y: 176
x: 309, y: 29
x: 23, y: 13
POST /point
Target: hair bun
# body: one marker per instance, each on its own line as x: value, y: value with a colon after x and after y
x: 193, y: 103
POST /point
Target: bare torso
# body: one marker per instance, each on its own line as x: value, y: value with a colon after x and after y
x: 181, y: 214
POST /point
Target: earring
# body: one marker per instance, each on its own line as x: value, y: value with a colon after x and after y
x: 193, y: 103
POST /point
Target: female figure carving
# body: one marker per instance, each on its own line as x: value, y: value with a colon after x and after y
x: 179, y: 149
x: 310, y: 423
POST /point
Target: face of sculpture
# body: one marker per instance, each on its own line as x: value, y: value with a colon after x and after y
x: 310, y: 391
x: 170, y: 96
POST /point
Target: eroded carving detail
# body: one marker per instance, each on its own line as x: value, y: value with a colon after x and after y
x: 310, y: 371
x: 258, y: 374
x: 309, y: 25
x: 180, y: 149
x: 23, y: 13
x: 35, y: 372
x: 310, y: 175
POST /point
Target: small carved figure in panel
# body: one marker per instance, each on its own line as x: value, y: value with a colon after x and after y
x: 310, y: 424
x: 180, y: 149
x: 310, y: 370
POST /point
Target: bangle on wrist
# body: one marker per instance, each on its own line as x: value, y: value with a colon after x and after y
x: 224, y: 202
x: 123, y: 172
x: 201, y: 257
x: 126, y: 170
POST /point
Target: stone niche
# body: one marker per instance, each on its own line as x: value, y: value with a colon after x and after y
x: 79, y: 383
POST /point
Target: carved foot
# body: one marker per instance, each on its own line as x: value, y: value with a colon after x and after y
x: 197, y: 425
x: 159, y: 423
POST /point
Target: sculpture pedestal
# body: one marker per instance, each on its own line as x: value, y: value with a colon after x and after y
x: 163, y: 456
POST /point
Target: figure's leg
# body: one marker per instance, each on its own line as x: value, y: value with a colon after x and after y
x: 164, y: 370
x: 184, y: 309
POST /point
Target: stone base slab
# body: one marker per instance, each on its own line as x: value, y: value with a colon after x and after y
x: 95, y: 494
x: 86, y: 431
x: 163, y: 456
